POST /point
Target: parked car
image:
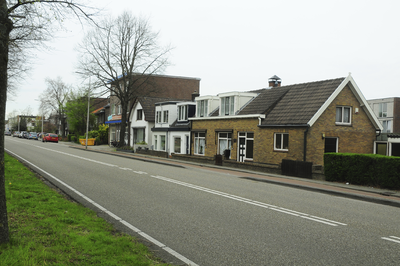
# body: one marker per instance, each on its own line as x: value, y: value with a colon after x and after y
x: 16, y: 134
x: 33, y: 135
x: 22, y: 134
x: 26, y: 135
x: 49, y: 137
x: 7, y: 133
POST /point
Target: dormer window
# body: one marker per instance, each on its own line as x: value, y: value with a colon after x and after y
x: 202, y: 108
x: 228, y: 105
x: 182, y: 113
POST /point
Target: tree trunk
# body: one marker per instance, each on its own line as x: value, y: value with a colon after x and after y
x: 5, y: 29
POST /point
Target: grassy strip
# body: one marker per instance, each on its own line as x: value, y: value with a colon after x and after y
x: 47, y: 229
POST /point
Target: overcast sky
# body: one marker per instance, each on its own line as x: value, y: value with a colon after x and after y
x: 237, y: 45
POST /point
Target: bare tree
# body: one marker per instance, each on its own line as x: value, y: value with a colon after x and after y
x: 36, y: 16
x: 54, y: 99
x: 121, y: 55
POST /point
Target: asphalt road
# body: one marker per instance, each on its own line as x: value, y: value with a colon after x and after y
x: 207, y: 217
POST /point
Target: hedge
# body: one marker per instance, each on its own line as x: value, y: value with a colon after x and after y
x: 363, y: 169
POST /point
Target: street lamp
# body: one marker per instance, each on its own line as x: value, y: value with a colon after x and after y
x: 42, y: 120
x: 88, y: 107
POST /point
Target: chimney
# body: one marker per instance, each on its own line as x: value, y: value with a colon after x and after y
x: 194, y: 95
x: 274, y: 81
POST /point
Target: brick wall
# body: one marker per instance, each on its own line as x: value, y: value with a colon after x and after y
x: 357, y: 138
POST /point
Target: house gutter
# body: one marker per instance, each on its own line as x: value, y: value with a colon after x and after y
x: 305, y: 143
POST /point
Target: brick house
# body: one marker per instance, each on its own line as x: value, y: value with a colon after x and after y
x: 157, y: 86
x: 298, y: 122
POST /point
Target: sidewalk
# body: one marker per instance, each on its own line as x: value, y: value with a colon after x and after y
x: 370, y: 194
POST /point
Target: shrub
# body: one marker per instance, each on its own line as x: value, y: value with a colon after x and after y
x: 73, y: 138
x: 363, y: 169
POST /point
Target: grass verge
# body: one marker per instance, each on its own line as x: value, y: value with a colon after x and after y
x: 47, y: 229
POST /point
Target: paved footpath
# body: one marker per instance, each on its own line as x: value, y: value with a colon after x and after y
x: 380, y: 196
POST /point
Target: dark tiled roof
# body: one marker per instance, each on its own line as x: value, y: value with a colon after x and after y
x: 149, y: 106
x: 300, y: 102
x: 265, y: 100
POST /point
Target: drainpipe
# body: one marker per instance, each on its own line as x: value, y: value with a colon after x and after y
x: 305, y: 143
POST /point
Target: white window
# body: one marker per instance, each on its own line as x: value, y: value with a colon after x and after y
x: 228, y: 105
x: 202, y: 108
x: 139, y: 114
x: 224, y: 142
x: 387, y: 126
x: 382, y: 110
x: 343, y: 115
x: 162, y: 142
x: 281, y: 141
x: 177, y: 144
x: 113, y: 109
x: 119, y: 109
x: 155, y: 142
x: 165, y: 116
x: 158, y: 117
x: 182, y: 113
x: 199, y: 143
x: 138, y: 134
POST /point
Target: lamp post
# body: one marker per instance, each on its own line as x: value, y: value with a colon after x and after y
x: 42, y: 120
x: 87, y: 122
x: 88, y: 107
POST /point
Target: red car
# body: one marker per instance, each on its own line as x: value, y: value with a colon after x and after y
x: 50, y: 137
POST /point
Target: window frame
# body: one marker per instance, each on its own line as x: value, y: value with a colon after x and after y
x: 180, y: 144
x: 202, y: 108
x: 165, y: 115
x: 227, y: 102
x: 139, y: 114
x: 342, y: 115
x: 282, y: 141
x: 198, y: 136
x: 182, y: 113
x: 386, y: 128
x: 158, y: 117
x: 382, y: 110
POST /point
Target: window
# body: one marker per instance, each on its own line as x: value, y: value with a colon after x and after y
x: 119, y: 109
x: 113, y: 133
x: 155, y: 142
x: 202, y: 108
x: 382, y: 110
x: 177, y: 145
x: 227, y: 105
x: 246, y: 146
x: 343, y: 115
x: 138, y: 134
x: 199, y: 143
x: 387, y: 126
x: 113, y: 109
x: 281, y: 141
x: 224, y: 142
x: 165, y: 116
x: 381, y: 148
x: 158, y: 117
x: 139, y: 114
x: 331, y: 144
x: 162, y: 143
x: 182, y: 113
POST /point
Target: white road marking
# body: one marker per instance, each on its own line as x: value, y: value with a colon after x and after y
x: 146, y: 236
x: 219, y: 193
x: 253, y: 202
x: 392, y: 238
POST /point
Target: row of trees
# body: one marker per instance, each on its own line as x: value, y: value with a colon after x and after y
x: 118, y: 56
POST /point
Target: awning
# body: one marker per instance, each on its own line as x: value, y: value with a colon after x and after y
x: 113, y: 121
